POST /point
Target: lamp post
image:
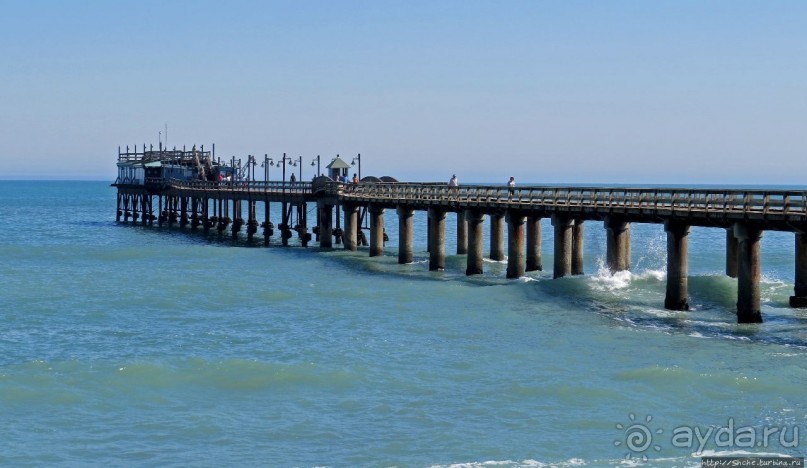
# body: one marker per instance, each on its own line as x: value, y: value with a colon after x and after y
x: 295, y: 163
x: 267, y: 161
x: 283, y: 163
x: 251, y: 167
x: 312, y: 163
x: 353, y: 163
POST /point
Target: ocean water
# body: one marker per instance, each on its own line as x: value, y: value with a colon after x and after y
x: 124, y: 345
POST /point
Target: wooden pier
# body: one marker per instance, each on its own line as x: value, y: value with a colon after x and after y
x: 743, y: 214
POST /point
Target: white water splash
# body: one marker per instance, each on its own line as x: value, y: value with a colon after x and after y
x: 604, y: 280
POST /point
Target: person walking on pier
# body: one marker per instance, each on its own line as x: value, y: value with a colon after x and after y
x: 453, y: 185
x: 293, y: 178
x: 355, y: 179
x: 511, y: 187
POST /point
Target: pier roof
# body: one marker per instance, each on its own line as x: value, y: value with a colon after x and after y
x: 338, y: 163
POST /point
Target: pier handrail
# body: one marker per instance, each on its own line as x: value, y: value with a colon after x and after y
x: 252, y: 186
x: 655, y: 199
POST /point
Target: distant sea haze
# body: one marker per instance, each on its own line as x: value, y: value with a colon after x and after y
x: 130, y: 345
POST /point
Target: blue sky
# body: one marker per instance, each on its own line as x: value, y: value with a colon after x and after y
x: 674, y: 92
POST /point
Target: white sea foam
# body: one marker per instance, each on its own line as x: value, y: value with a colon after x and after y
x: 509, y: 463
x: 488, y: 260
x: 737, y: 453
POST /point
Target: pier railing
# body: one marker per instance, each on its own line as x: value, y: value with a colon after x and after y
x: 657, y: 199
x: 646, y: 200
x: 252, y: 186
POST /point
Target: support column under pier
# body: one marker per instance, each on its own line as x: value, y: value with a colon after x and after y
x: 474, y: 219
x: 238, y: 220
x: 731, y: 253
x: 252, y: 219
x: 325, y: 225
x: 437, y: 239
x: 563, y: 246
x: 268, y: 227
x: 462, y: 233
x: 195, y: 209
x: 151, y: 210
x: 748, y: 273
x: 799, y: 298
x: 351, y: 226
x: 516, y: 265
x: 302, y: 224
x: 376, y: 230
x: 534, y: 244
x: 183, y: 211
x: 677, y: 297
x: 206, y: 214
x: 577, y: 247
x: 497, y: 237
x: 144, y: 208
x: 618, y: 248
x: 405, y: 234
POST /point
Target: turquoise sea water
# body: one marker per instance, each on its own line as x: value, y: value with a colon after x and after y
x: 144, y: 346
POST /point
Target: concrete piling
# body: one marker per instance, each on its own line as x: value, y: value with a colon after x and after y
x: 618, y: 240
x: 534, y: 244
x: 376, y: 230
x: 405, y: 234
x: 731, y: 253
x: 677, y: 297
x: 516, y: 264
x: 748, y: 273
x: 563, y: 246
x: 577, y: 247
x: 325, y: 225
x: 799, y: 298
x: 437, y: 240
x: 474, y: 219
x: 497, y: 237
x: 462, y: 233
x: 351, y: 212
